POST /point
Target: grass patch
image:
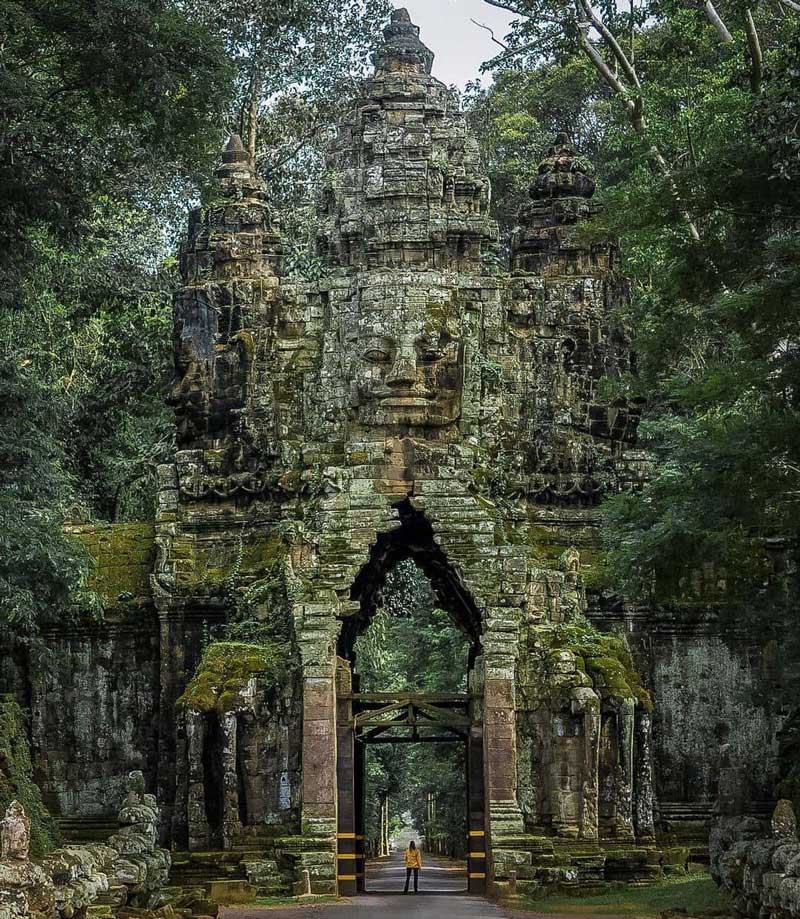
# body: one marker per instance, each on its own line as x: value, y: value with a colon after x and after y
x: 304, y: 902
x: 697, y: 894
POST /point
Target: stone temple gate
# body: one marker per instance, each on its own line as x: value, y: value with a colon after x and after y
x: 414, y: 399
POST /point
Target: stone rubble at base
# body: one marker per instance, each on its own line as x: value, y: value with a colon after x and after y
x: 129, y: 871
x: 758, y: 867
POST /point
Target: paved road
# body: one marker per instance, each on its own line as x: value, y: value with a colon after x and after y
x: 439, y: 877
x: 442, y: 895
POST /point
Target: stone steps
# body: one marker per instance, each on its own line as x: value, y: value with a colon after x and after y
x: 235, y: 873
x: 87, y: 830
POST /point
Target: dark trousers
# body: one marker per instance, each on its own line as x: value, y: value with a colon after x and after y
x: 408, y: 878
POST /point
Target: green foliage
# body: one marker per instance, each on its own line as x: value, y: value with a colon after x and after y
x: 410, y: 643
x: 16, y: 777
x: 94, y: 97
x: 101, y: 108
x: 43, y: 572
x: 695, y: 895
x: 718, y: 358
x: 228, y: 666
x: 94, y: 331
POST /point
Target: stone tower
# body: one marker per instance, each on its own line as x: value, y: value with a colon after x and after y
x: 412, y: 402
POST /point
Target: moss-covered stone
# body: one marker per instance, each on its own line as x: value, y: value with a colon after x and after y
x: 123, y: 555
x: 226, y: 669
x: 604, y: 657
x: 217, y: 566
x: 16, y: 777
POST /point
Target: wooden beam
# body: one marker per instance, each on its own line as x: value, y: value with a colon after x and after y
x: 403, y: 721
x: 442, y: 738
x: 462, y: 698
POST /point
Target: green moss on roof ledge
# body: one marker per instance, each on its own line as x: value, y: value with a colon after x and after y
x: 226, y: 669
x: 604, y: 657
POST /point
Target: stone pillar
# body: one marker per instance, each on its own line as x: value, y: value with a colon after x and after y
x: 500, y: 740
x: 643, y: 789
x: 196, y: 820
x: 231, y: 825
x: 173, y: 680
x: 346, y: 862
x: 624, y: 777
x: 316, y: 627
x: 505, y: 824
x: 586, y: 702
x: 319, y: 757
x: 499, y: 718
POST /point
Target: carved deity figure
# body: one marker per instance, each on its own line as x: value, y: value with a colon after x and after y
x: 406, y: 360
x: 15, y: 832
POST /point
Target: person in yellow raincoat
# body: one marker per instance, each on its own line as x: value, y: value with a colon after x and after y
x: 413, y: 863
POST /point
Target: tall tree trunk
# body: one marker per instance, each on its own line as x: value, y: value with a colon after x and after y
x: 253, y: 105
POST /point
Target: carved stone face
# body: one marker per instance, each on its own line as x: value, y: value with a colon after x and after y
x: 406, y: 365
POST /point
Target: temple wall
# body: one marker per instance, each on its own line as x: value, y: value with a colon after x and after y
x: 713, y: 699
x: 93, y: 694
x: 94, y: 718
x: 93, y: 703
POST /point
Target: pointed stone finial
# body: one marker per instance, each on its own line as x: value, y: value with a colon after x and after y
x: 562, y: 173
x: 402, y: 51
x: 236, y: 168
x: 234, y: 151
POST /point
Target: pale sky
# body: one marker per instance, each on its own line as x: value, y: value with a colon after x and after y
x: 459, y: 45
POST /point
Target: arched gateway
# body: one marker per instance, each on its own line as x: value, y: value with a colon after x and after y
x: 411, y: 401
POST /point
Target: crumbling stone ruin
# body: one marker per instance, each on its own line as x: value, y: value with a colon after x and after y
x: 129, y: 870
x: 758, y: 865
x: 415, y: 400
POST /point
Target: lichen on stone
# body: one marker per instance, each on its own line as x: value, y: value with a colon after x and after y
x: 123, y: 555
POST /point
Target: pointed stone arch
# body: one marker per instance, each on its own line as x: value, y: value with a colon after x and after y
x: 414, y: 539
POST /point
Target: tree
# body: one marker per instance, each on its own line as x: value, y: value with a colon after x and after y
x: 713, y: 313
x: 516, y: 117
x: 607, y: 38
x: 719, y: 362
x: 99, y: 106
x: 111, y: 120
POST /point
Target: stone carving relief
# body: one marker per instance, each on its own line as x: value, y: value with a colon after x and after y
x: 15, y: 832
x: 406, y: 362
